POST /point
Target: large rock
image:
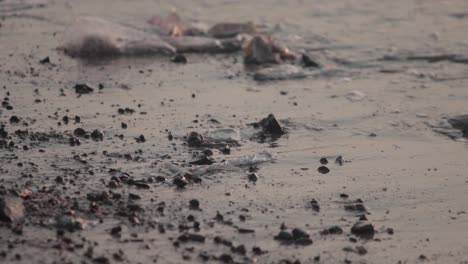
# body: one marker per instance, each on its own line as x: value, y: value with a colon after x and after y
x: 11, y: 209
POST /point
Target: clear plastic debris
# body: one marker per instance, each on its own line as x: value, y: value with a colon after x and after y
x: 234, y: 165
x: 248, y: 160
x: 226, y: 135
x: 171, y: 170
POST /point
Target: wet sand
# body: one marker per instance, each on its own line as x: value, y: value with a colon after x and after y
x: 410, y: 179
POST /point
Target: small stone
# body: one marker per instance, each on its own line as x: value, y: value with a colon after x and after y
x: 70, y: 223
x: 45, y: 60
x: 355, y: 208
x: 315, y: 205
x: 188, y: 237
x: 83, y: 88
x: 240, y: 249
x: 59, y: 180
x: 323, y: 170
x: 361, y: 250
x: 180, y: 182
x: 334, y: 230
x: 123, y: 125
x: 194, y: 204
x: 304, y: 241
x: 194, y: 139
x: 116, y: 231
x: 363, y: 229
x: 308, y: 62
x: 141, y: 139
x: 101, y: 260
x: 253, y: 177
x: 179, y: 58
x: 299, y: 233
x: 97, y: 135
x: 201, y: 160
x: 14, y: 120
x: 284, y: 236
x: 226, y: 258
x: 339, y: 160
x: 257, y: 251
x: 79, y: 132
x: 323, y: 161
x: 133, y: 196
x: 66, y: 120
x: 160, y: 178
x: 390, y: 231
x: 113, y: 184
x: 73, y: 141
x: 226, y: 150
x: 270, y: 126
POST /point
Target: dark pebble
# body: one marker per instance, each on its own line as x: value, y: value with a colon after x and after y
x: 344, y: 196
x: 79, y: 132
x: 334, y: 230
x: 179, y: 58
x: 226, y: 150
x: 83, y: 88
x: 298, y: 233
x: 323, y: 170
x: 339, y: 160
x: 97, y: 135
x: 308, y: 62
x: 315, y: 205
x: 45, y: 60
x: 194, y: 204
x: 160, y: 179
x: 253, y: 177
x: 201, y: 160
x: 141, y: 139
x: 323, y: 161
x: 116, y: 231
x: 14, y: 120
x: 188, y: 237
x: 180, y: 182
x: 270, y: 126
x: 194, y: 139
x: 363, y: 229
x: 284, y: 236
